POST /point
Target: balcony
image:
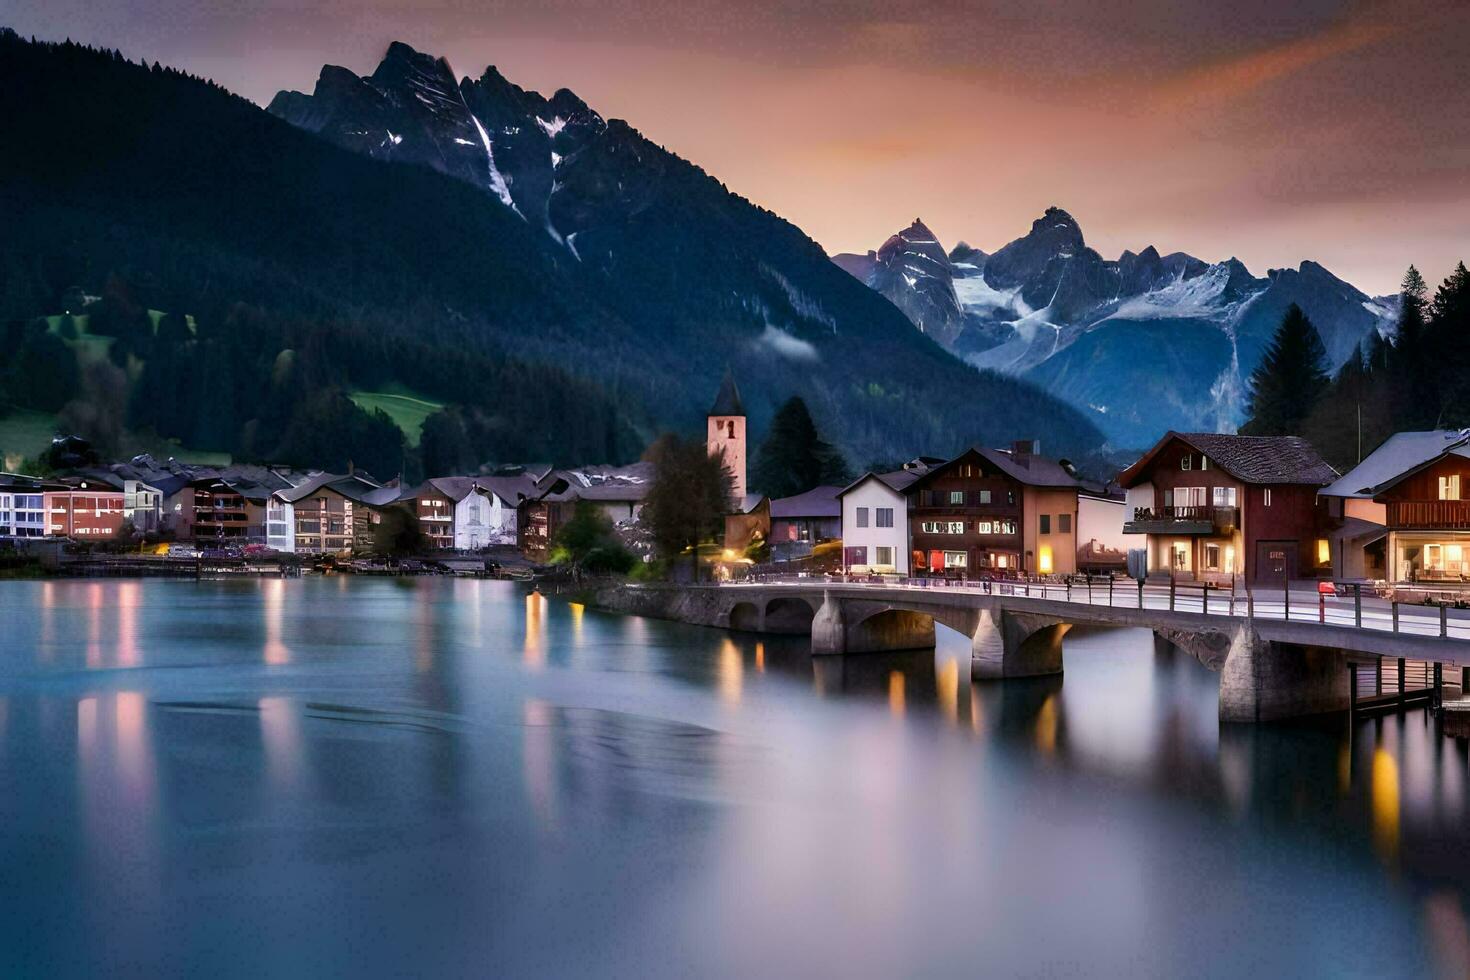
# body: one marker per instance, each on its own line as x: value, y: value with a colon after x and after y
x: 1429, y: 515
x: 1183, y: 520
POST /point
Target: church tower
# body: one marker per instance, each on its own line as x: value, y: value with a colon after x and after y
x: 726, y: 432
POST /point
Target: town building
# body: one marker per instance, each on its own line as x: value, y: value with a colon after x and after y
x: 1404, y: 514
x: 23, y: 505
x: 84, y: 509
x: 749, y: 524
x: 619, y: 491
x: 1214, y: 507
x: 801, y: 522
x: 875, y: 521
x: 1102, y: 547
x: 994, y: 512
x: 725, y: 432
x: 327, y: 514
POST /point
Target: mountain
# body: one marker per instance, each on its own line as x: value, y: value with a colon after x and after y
x: 1144, y: 343
x: 702, y: 276
x: 596, y: 307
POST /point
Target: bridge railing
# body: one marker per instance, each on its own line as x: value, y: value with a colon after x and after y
x: 1359, y: 610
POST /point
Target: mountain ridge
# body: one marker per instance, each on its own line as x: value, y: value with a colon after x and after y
x: 1048, y: 308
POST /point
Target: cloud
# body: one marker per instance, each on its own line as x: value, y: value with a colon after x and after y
x: 787, y: 345
x: 1227, y: 79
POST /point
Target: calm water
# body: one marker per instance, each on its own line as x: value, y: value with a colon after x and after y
x: 368, y: 776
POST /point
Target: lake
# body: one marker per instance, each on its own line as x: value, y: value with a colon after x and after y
x: 356, y: 776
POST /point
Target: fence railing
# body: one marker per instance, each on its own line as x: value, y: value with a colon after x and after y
x: 1358, y: 609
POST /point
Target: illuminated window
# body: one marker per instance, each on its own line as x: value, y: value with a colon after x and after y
x: 1266, y: 496
x: 1185, y: 461
x: 957, y: 497
x: 956, y: 559
x: 1324, y: 552
x: 884, y: 555
x: 1229, y: 558
x: 1449, y: 487
x: 1044, y: 560
x: 1212, y: 557
x: 1223, y: 496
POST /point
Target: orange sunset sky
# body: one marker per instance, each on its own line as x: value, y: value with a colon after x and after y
x: 1272, y: 131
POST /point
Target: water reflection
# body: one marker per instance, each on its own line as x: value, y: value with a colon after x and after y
x: 674, y: 792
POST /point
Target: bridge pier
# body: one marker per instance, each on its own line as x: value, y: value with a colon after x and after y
x: 829, y: 627
x: 1265, y: 680
x: 1008, y: 644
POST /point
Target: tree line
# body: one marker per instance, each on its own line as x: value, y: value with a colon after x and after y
x: 1416, y: 380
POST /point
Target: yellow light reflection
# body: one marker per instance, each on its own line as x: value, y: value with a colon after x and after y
x: 535, y: 643
x: 948, y: 685
x: 760, y: 658
x: 896, y: 702
x: 1046, y: 726
x: 977, y: 715
x: 1385, y: 794
x: 731, y: 672
x: 274, y: 602
x: 578, y: 610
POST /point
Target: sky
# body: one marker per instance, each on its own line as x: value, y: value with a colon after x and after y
x: 1269, y: 130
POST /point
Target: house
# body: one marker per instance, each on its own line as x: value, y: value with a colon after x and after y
x: 1404, y: 514
x: 142, y: 500
x: 799, y: 523
x: 725, y: 432
x: 618, y: 491
x: 327, y: 514
x: 994, y: 511
x: 23, y: 505
x: 467, y: 513
x: 875, y: 521
x: 84, y: 509
x: 1212, y: 506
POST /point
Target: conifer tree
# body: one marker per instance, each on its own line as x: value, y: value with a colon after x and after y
x: 1290, y: 380
x: 692, y: 491
x: 795, y: 458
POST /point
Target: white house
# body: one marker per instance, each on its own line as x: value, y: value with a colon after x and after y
x: 875, y: 523
x: 486, y: 514
x: 280, y: 524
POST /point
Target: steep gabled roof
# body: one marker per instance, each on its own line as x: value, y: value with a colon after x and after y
x: 727, y: 402
x: 1250, y: 459
x: 816, y: 502
x: 1401, y: 454
x: 897, y: 481
x: 1030, y: 470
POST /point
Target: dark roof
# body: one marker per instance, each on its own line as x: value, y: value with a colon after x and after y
x: 1030, y: 470
x: 352, y: 487
x: 727, y: 402
x: 1401, y: 454
x: 21, y: 482
x: 816, y: 502
x: 898, y: 480
x: 1251, y: 459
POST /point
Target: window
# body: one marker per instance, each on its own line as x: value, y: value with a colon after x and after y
x: 985, y: 496
x: 862, y: 517
x: 1010, y: 496
x: 1324, y: 552
x: 1189, y: 496
x: 884, y: 556
x: 1204, y: 462
x: 1449, y: 487
x: 984, y: 527
x: 956, y: 559
x: 1044, y: 523
x: 944, y: 527
x: 1223, y: 496
x: 1186, y: 461
x: 885, y: 516
x: 1064, y: 523
x: 730, y: 431
x: 957, y: 497
x: 1212, y: 557
x: 1043, y: 561
x: 1266, y: 496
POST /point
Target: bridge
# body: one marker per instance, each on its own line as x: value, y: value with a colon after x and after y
x: 1277, y: 658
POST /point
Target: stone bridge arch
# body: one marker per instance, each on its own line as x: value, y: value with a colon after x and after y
x: 1012, y: 644
x: 788, y: 614
x: 746, y: 617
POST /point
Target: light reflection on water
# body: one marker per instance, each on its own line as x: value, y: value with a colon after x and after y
x: 457, y: 777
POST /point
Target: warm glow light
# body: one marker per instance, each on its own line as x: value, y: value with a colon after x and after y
x: 534, y: 647
x: 948, y: 684
x: 760, y: 658
x: 1324, y: 552
x: 731, y: 672
x: 1046, y: 726
x: 896, y: 692
x: 1044, y: 559
x: 729, y: 554
x: 1385, y: 794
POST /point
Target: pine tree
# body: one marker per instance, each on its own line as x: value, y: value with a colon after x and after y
x: 795, y: 458
x: 691, y: 493
x: 1290, y: 380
